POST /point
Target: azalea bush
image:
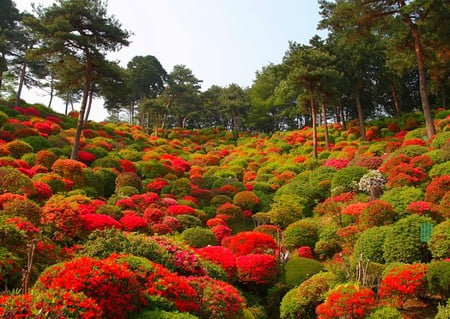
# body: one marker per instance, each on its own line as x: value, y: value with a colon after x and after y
x: 301, y: 233
x: 257, y: 269
x: 251, y: 242
x: 439, y: 243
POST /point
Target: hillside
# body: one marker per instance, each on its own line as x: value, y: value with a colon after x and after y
x: 197, y: 224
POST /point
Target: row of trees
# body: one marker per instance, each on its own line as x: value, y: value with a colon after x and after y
x: 379, y: 57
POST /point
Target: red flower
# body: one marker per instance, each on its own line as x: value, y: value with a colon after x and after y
x: 257, y: 268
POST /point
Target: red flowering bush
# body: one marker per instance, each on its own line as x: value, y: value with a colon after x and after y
x: 337, y: 163
x: 70, y: 169
x: 423, y: 208
x: 246, y: 200
x: 347, y: 301
x: 153, y: 215
x: 215, y: 221
x: 218, y: 300
x: 112, y: 285
x: 132, y: 222
x: 157, y: 184
x: 229, y: 209
x: 437, y: 189
x: 161, y: 229
x: 250, y: 242
x: 176, y: 210
x: 257, y: 268
x: 92, y: 222
x: 354, y: 210
x: 377, y: 213
x: 403, y: 282
x: 404, y: 174
x: 86, y: 157
x: 222, y: 256
x: 305, y: 252
x: 221, y: 231
x: 42, y: 193
x: 332, y: 206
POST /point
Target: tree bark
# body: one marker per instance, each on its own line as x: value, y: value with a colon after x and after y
x: 80, y: 122
x: 325, y: 124
x: 91, y: 95
x: 314, y: 126
x: 51, y: 95
x: 431, y: 130
x: 362, y: 129
x: 395, y: 97
x: 21, y: 82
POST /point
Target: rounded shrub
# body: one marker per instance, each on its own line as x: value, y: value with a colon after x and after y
x: 438, y: 278
x: 346, y: 179
x: 301, y: 233
x: 151, y: 169
x: 246, y: 200
x: 287, y: 209
x: 401, y: 197
x: 257, y: 269
x: 199, y: 237
x: 377, y: 213
x: 128, y: 179
x: 439, y: 243
x: 298, y: 269
x: 402, y: 242
x: 370, y: 244
x: 38, y: 143
x: 13, y: 181
x: 17, y: 148
x: 386, y: 312
x: 161, y: 314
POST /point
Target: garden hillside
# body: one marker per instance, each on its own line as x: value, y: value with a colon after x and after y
x: 204, y: 224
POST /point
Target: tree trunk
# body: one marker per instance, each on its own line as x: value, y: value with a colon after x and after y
x: 344, y: 122
x: 395, y: 97
x: 51, y: 95
x: 325, y: 124
x: 431, y: 130
x: 67, y: 104
x: 314, y: 126
x: 444, y: 96
x: 80, y: 123
x: 362, y: 129
x: 91, y: 94
x: 21, y: 82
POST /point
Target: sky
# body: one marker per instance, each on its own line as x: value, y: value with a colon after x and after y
x: 221, y: 41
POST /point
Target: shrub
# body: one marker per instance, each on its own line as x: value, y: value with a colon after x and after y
x: 70, y: 169
x: 385, y: 312
x: 221, y: 256
x: 440, y: 170
x: 402, y: 242
x: 107, y: 162
x: 189, y: 221
x: 301, y: 233
x: 112, y: 285
x: 161, y: 314
x: 199, y: 237
x: 251, y: 242
x: 132, y: 222
x: 24, y: 208
x: 128, y: 179
x: 370, y: 244
x: 347, y: 300
x: 257, y: 269
x: 439, y: 243
x: 151, y: 169
x: 17, y: 148
x: 346, y: 179
x: 298, y: 269
x: 13, y: 181
x: 218, y: 300
x: 403, y: 282
x: 246, y: 200
x: 443, y: 311
x: 287, y: 209
x: 3, y: 118
x: 37, y: 143
x: 437, y: 189
x: 377, y: 213
x: 401, y: 197
x: 92, y: 222
x: 301, y: 302
x: 45, y: 158
x: 438, y: 278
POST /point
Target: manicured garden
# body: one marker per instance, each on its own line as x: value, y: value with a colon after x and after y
x: 195, y: 223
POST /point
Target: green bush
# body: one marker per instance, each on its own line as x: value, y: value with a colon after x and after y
x: 161, y: 314
x: 301, y: 233
x: 127, y: 191
x: 440, y: 169
x: 17, y: 148
x: 98, y: 152
x: 29, y: 158
x: 130, y: 154
x: 298, y: 269
x: 410, y: 151
x: 440, y: 139
x: 108, y: 178
x: 287, y: 209
x: 128, y: 179
x: 107, y: 162
x: 300, y: 186
x: 439, y: 243
x: 13, y: 181
x: 199, y: 237
x: 326, y: 248
x: 93, y: 180
x: 402, y: 242
x: 370, y: 244
x: 301, y: 302
x: 401, y: 197
x: 438, y: 278
x: 385, y: 313
x: 346, y: 179
x: 3, y: 118
x: 189, y: 221
x: 443, y: 311
x: 179, y: 187
x: 38, y: 143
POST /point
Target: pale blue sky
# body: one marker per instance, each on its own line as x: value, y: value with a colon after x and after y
x: 221, y: 41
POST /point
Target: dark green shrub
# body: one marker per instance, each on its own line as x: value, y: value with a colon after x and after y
x: 58, y: 141
x: 108, y: 177
x: 24, y: 208
x: 438, y: 278
x: 370, y: 244
x: 301, y: 233
x: 151, y: 169
x: 326, y: 248
x: 410, y: 151
x: 287, y: 209
x: 401, y: 197
x: 189, y: 221
x: 127, y: 191
x: 439, y: 243
x: 199, y: 237
x: 93, y: 181
x: 3, y: 118
x: 402, y: 242
x: 298, y: 269
x: 107, y: 162
x: 110, y: 210
x: 301, y: 302
x: 346, y: 179
x: 130, y: 154
x: 128, y: 179
x: 179, y: 187
x: 99, y: 152
x: 385, y: 313
x: 38, y: 143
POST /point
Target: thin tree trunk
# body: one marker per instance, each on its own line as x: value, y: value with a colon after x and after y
x: 51, y: 95
x: 325, y: 124
x: 431, y: 130
x: 67, y: 104
x: 80, y: 123
x: 314, y: 126
x: 395, y: 97
x: 344, y: 122
x: 88, y: 110
x: 362, y: 129
x: 443, y: 96
x: 21, y: 82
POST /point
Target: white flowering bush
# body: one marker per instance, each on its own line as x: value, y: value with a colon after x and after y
x: 373, y: 179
